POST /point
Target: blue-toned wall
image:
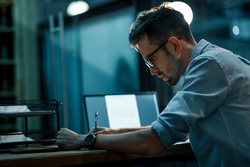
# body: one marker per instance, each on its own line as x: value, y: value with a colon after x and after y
x: 99, y: 60
x: 109, y: 64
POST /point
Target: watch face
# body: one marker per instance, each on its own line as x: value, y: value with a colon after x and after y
x: 89, y: 139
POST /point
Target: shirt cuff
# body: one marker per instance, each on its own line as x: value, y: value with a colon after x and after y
x: 164, y: 134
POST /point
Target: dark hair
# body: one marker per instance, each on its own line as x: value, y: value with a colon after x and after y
x: 159, y: 24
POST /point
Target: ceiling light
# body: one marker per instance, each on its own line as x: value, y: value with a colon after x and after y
x: 77, y: 7
x: 184, y: 9
x: 236, y: 30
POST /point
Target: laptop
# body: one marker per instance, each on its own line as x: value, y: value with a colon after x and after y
x: 122, y: 110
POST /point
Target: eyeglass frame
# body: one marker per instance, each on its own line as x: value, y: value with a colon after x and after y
x: 148, y: 62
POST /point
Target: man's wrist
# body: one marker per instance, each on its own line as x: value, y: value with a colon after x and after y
x: 82, y: 141
x: 90, y: 140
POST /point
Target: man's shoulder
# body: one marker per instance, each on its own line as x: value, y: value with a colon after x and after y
x: 213, y: 54
x: 207, y: 50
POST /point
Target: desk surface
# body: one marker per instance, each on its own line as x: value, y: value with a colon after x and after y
x: 178, y: 152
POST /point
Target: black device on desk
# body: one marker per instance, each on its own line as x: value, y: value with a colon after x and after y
x: 147, y: 105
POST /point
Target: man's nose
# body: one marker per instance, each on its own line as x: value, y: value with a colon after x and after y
x: 153, y: 70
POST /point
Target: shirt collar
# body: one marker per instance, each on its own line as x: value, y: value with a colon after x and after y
x: 199, y: 49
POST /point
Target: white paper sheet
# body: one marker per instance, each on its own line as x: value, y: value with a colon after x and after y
x: 122, y: 111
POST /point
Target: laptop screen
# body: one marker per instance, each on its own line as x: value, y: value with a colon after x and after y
x: 122, y: 110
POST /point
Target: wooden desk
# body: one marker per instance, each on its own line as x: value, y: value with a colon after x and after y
x: 178, y: 152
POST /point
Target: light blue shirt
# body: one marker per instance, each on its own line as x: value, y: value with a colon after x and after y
x: 213, y: 108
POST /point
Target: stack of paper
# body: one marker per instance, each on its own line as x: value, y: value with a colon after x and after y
x: 13, y: 109
x: 14, y: 138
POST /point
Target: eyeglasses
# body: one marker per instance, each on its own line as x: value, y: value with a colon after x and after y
x: 148, y: 62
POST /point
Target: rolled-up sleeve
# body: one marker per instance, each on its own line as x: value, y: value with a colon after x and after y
x: 204, y: 88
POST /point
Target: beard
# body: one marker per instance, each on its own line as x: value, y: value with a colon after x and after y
x: 175, y: 70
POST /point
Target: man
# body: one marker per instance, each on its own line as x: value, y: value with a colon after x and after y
x: 213, y: 107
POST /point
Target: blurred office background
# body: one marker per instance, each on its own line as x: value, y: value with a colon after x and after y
x: 48, y: 54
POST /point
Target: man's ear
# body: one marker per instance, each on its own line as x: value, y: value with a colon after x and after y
x: 174, y: 46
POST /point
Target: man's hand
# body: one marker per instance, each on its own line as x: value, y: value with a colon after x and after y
x: 69, y: 140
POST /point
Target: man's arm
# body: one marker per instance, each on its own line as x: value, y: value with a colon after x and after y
x: 104, y: 130
x: 141, y: 142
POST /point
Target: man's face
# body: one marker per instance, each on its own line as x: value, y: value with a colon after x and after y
x: 167, y: 67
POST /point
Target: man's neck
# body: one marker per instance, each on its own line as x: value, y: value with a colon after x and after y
x: 187, y: 52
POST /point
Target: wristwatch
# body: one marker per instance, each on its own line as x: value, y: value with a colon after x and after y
x: 89, y: 141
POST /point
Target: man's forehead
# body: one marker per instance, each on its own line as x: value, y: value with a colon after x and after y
x: 143, y: 41
x: 144, y: 47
